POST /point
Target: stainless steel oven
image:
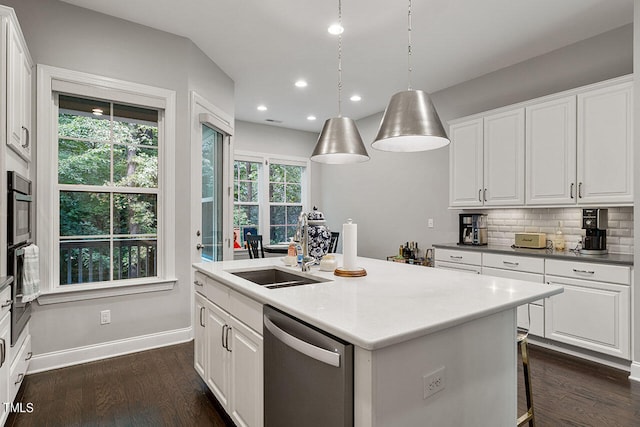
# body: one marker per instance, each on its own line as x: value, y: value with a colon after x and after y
x: 20, y: 312
x: 19, y: 220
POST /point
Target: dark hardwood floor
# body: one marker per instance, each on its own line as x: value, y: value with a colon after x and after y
x: 161, y: 388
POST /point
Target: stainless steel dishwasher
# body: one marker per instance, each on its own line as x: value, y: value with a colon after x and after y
x: 308, y: 374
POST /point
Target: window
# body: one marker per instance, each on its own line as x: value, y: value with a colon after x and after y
x: 108, y: 190
x: 269, y: 194
x: 105, y: 186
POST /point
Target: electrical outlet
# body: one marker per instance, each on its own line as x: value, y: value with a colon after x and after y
x: 105, y: 317
x: 430, y: 223
x: 433, y: 382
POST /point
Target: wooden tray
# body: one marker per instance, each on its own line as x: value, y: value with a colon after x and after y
x: 350, y: 273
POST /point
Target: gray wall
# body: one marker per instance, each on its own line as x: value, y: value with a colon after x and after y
x: 66, y: 36
x: 392, y: 196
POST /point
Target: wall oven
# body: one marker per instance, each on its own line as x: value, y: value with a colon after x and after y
x: 19, y: 200
x: 20, y: 312
x: 19, y: 228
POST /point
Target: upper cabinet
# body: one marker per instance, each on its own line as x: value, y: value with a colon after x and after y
x: 18, y: 80
x: 487, y: 160
x: 576, y: 148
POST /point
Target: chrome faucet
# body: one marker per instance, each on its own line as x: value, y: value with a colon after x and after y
x: 302, y: 237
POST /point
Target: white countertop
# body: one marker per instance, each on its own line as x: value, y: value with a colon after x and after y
x: 395, y: 302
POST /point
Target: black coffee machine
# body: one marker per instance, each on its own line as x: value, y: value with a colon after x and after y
x: 595, y: 222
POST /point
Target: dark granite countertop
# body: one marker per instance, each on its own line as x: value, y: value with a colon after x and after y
x: 5, y: 281
x: 619, y: 259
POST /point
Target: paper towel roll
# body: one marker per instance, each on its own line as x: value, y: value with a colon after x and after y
x: 350, y: 245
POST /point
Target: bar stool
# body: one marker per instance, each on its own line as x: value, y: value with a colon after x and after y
x: 523, y: 333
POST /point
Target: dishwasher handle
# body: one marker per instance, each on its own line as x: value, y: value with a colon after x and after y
x: 317, y: 353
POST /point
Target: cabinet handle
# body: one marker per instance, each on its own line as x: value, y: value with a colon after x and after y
x: 198, y: 283
x: 26, y: 142
x: 20, y: 378
x: 511, y: 263
x: 455, y: 257
x: 583, y: 271
x: 485, y: 194
x: 580, y: 190
x: 7, y: 303
x: 227, y: 339
x: 224, y: 329
x: 571, y: 190
x: 480, y: 195
x: 29, y: 356
x: 201, y: 320
x: 3, y: 356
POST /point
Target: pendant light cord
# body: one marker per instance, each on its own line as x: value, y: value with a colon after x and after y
x: 340, y: 60
x: 409, y: 45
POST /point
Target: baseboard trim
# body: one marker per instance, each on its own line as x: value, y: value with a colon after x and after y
x: 634, y: 375
x: 581, y: 353
x: 75, y: 356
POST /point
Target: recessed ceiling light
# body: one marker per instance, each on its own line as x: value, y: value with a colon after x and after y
x: 356, y: 98
x: 97, y: 111
x: 311, y: 117
x: 335, y: 29
x: 262, y: 108
x: 301, y: 83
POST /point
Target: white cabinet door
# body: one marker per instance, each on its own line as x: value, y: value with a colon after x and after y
x: 5, y: 340
x: 218, y: 375
x: 589, y: 314
x: 551, y: 152
x: 504, y: 159
x: 199, y: 342
x: 465, y: 163
x: 19, y: 73
x: 246, y: 375
x: 605, y: 144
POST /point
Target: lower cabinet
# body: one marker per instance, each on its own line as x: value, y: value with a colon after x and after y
x: 5, y: 361
x: 228, y: 352
x: 594, y: 311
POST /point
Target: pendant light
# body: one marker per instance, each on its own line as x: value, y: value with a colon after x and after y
x: 339, y: 142
x: 410, y: 122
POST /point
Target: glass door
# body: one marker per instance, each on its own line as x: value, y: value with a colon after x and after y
x: 212, y: 194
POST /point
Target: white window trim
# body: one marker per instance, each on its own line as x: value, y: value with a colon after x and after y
x: 263, y: 181
x: 46, y: 217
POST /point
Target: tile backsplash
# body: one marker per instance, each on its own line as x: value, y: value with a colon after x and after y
x: 504, y: 223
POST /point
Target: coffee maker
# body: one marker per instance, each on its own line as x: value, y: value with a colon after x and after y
x: 595, y: 222
x: 473, y: 229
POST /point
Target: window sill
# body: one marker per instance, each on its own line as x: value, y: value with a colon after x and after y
x: 61, y: 296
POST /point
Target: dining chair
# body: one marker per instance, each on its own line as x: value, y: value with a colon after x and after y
x: 254, y: 243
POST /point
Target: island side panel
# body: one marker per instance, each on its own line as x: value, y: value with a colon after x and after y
x: 479, y: 358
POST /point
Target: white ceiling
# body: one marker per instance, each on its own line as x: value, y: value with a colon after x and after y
x: 265, y: 45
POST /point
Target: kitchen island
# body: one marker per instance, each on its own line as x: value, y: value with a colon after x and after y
x: 407, y: 324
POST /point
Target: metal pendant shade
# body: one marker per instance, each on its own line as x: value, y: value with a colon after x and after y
x: 339, y: 143
x: 410, y: 123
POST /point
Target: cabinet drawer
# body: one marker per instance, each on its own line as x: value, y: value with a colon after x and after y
x: 514, y: 262
x: 5, y: 301
x: 475, y: 269
x: 461, y: 257
x: 19, y: 368
x: 589, y: 271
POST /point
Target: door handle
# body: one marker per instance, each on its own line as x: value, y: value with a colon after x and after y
x: 198, y: 283
x: 515, y: 264
x: 580, y: 190
x: 317, y: 353
x: 485, y: 194
x: 199, y: 246
x: 7, y: 303
x: 3, y: 355
x: 583, y: 271
x: 26, y: 142
x: 201, y: 321
x: 224, y: 329
x: 227, y: 339
x: 20, y: 378
x: 571, y: 190
x: 480, y: 195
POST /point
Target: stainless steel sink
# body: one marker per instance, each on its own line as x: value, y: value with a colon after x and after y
x: 273, y: 278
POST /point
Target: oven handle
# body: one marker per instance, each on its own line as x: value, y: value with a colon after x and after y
x: 5, y: 305
x: 22, y: 197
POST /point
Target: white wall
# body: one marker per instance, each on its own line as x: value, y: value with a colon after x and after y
x: 66, y: 36
x: 392, y: 196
